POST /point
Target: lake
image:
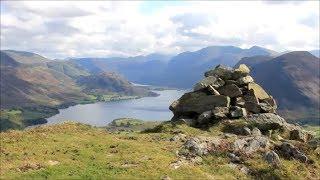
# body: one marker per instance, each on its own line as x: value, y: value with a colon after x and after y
x: 102, y: 113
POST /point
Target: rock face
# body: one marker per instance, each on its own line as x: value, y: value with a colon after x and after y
x: 223, y: 93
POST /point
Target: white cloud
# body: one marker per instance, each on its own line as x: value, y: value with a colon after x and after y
x: 102, y: 28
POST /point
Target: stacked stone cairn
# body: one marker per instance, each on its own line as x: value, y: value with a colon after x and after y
x: 223, y: 93
x: 248, y: 114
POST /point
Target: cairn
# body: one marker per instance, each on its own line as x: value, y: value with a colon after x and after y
x: 223, y: 93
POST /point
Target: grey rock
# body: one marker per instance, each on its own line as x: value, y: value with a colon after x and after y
x: 266, y: 108
x: 240, y: 102
x: 211, y: 80
x: 245, y: 170
x: 212, y: 90
x: 250, y: 145
x: 220, y: 112
x: 229, y: 135
x: 231, y: 90
x: 256, y: 132
x: 267, y: 121
x: 314, y: 143
x: 246, y: 131
x: 221, y: 71
x: 245, y: 80
x: 228, y: 82
x: 250, y: 97
x: 240, y: 167
x: 251, y: 102
x: 196, y: 147
x: 174, y: 105
x: 252, y: 107
x: 239, y: 144
x: 270, y: 102
x: 199, y: 102
x: 179, y: 137
x: 196, y: 160
x: 241, y: 71
x: 234, y: 158
x: 256, y: 144
x: 300, y: 135
x: 289, y: 151
x: 204, y: 117
x: 237, y: 112
x: 273, y: 158
x: 258, y: 91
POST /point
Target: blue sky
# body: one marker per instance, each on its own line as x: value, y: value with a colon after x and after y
x: 150, y: 7
x: 62, y: 29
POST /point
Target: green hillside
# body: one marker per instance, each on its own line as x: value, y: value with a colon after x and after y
x: 37, y: 87
x: 77, y: 151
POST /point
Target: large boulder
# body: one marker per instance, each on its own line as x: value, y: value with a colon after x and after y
x: 251, y: 102
x: 273, y: 158
x: 221, y: 71
x: 230, y: 90
x: 258, y: 91
x: 300, y: 135
x: 198, y: 102
x: 237, y: 112
x: 209, y: 81
x: 245, y: 80
x: 220, y: 112
x: 249, y: 145
x: 241, y: 71
x: 212, y: 90
x: 267, y: 121
x: 289, y: 151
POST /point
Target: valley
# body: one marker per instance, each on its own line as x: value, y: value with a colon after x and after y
x: 38, y: 87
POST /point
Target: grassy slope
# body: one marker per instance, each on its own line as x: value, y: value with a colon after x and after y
x: 84, y: 152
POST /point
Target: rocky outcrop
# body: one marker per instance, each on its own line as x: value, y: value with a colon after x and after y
x: 223, y: 93
x: 247, y: 113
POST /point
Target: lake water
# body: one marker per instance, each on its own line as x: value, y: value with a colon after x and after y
x: 102, y: 113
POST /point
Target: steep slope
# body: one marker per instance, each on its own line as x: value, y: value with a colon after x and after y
x: 254, y: 60
x: 31, y: 82
x: 293, y: 79
x: 25, y: 57
x: 38, y: 87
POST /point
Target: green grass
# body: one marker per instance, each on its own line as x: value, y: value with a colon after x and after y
x: 11, y: 119
x: 83, y: 152
x: 77, y: 151
x: 130, y: 124
x: 22, y: 117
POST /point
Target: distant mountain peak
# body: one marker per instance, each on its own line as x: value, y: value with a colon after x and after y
x: 25, y: 57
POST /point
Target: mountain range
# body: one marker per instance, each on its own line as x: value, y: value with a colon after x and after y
x: 31, y: 80
x: 178, y: 71
x: 37, y: 87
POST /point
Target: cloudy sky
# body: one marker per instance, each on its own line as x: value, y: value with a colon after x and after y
x: 103, y: 29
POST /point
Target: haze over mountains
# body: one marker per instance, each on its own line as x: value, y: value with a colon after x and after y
x: 180, y: 71
x: 31, y: 80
